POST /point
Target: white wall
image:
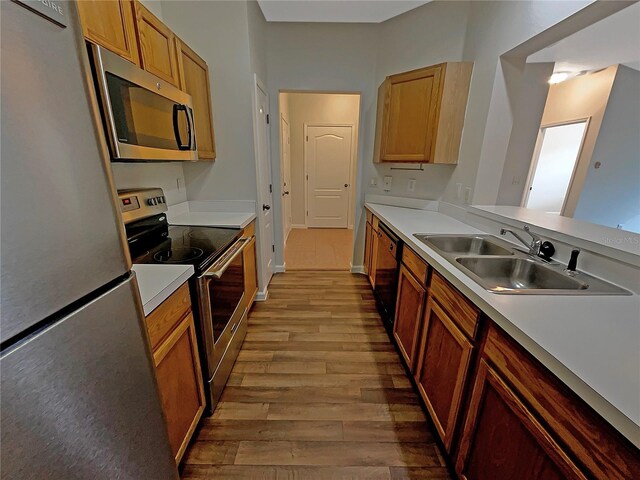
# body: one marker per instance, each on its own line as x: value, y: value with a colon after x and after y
x: 611, y: 193
x: 154, y: 6
x: 313, y: 108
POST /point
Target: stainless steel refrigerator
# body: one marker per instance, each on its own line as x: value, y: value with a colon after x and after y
x: 78, y: 397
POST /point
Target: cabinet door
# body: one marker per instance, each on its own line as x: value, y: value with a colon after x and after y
x: 373, y: 262
x: 367, y: 248
x: 250, y: 271
x: 157, y: 46
x: 194, y: 79
x: 445, y: 354
x: 503, y: 440
x: 110, y: 24
x: 410, y: 116
x: 409, y: 308
x: 180, y: 384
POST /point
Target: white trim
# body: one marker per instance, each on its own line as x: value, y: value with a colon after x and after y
x: 262, y: 296
x: 298, y: 227
x: 263, y: 281
x: 280, y: 268
x: 353, y: 167
x: 358, y: 269
x: 283, y: 212
x: 536, y: 158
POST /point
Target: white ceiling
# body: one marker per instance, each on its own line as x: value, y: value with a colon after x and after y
x: 347, y: 11
x: 615, y: 39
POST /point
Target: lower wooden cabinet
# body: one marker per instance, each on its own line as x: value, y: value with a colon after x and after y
x: 371, y: 249
x: 502, y: 439
x: 443, y: 367
x: 250, y: 271
x: 409, y: 309
x: 180, y: 384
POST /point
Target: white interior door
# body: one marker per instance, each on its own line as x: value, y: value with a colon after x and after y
x: 265, y: 196
x: 328, y: 160
x: 285, y: 145
x: 553, y: 168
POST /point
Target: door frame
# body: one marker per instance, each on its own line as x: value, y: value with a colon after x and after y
x: 285, y: 233
x: 353, y: 167
x: 261, y: 174
x: 536, y: 157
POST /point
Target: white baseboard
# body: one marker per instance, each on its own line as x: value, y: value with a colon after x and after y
x: 358, y: 269
x: 262, y: 296
x: 303, y: 227
x: 280, y: 268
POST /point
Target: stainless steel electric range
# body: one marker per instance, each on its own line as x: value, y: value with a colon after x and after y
x: 217, y: 288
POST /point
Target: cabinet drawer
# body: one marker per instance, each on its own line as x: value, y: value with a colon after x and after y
x: 464, y: 313
x: 164, y: 318
x: 415, y: 264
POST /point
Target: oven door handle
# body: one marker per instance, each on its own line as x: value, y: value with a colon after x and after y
x: 217, y: 269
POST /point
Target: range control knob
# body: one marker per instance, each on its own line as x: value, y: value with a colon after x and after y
x: 152, y: 202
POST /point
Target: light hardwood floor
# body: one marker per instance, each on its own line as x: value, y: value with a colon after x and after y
x: 318, y: 392
x: 319, y: 249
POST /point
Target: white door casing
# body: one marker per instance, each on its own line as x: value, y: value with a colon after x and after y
x: 328, y: 154
x: 285, y: 168
x: 264, y: 208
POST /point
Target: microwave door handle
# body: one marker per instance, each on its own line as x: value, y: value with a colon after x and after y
x: 191, y: 128
x: 177, y: 107
x: 218, y: 268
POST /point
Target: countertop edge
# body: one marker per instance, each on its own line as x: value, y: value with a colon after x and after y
x: 621, y: 422
x: 154, y: 302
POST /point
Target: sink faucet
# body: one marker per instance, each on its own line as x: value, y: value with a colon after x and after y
x: 533, y: 245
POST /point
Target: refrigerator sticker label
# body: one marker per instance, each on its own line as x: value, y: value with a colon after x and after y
x: 53, y: 10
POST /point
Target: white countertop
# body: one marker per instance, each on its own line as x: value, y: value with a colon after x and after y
x: 592, y: 343
x: 156, y: 283
x: 205, y: 214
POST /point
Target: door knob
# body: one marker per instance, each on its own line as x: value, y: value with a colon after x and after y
x: 346, y: 185
x: 266, y: 207
x: 285, y: 193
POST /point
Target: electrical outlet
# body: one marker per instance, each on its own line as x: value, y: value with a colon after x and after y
x: 459, y: 191
x: 516, y: 180
x: 411, y: 186
x: 386, y: 185
x: 180, y: 183
x: 373, y: 182
x: 467, y: 195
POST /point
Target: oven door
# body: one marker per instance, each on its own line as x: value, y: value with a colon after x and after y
x: 221, y: 301
x: 146, y: 117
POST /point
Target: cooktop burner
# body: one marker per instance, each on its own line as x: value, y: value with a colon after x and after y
x: 178, y: 255
x: 152, y: 241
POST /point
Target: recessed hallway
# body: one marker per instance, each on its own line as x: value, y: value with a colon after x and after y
x: 319, y: 249
x: 318, y: 392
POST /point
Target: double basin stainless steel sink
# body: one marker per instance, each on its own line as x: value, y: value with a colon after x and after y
x: 500, y: 268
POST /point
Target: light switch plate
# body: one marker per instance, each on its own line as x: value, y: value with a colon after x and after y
x: 411, y: 186
x: 386, y: 185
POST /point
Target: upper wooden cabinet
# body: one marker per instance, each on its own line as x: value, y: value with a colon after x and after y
x: 194, y: 79
x: 421, y: 114
x: 111, y: 24
x: 157, y: 46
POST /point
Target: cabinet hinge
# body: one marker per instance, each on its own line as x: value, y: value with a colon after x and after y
x: 267, y: 118
x: 273, y: 248
x: 270, y: 188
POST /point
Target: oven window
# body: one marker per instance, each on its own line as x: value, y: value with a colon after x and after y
x: 225, y: 294
x: 143, y: 117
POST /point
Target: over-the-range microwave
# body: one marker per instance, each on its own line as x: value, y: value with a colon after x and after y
x: 145, y: 117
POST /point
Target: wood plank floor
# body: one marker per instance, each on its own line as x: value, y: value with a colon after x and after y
x: 318, y: 392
